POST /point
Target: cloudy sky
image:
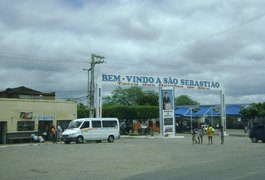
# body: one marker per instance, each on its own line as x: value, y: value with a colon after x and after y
x: 45, y: 44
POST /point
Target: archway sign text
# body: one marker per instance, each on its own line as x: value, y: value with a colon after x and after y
x: 161, y: 81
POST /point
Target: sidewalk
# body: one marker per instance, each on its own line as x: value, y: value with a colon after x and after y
x: 236, y: 132
x: 28, y: 144
x: 229, y: 132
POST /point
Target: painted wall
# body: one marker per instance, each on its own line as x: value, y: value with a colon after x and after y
x: 11, y: 111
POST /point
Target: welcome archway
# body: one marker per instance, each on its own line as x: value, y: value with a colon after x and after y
x: 166, y: 86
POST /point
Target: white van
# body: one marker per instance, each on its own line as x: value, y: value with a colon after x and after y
x: 92, y: 129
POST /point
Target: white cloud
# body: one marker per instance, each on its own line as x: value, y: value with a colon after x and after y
x: 46, y: 44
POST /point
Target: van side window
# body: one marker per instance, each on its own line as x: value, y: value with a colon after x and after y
x: 109, y: 123
x: 85, y: 125
x: 96, y: 124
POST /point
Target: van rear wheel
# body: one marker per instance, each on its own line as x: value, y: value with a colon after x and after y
x: 111, y: 138
x: 79, y: 139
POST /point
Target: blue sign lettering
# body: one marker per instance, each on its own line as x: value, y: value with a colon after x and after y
x: 129, y: 80
x: 112, y: 78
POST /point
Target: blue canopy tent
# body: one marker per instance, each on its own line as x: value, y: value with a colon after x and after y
x: 183, y: 112
x: 233, y: 110
x: 203, y: 114
x: 206, y: 111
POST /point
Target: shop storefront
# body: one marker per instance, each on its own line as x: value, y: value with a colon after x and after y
x: 19, y: 118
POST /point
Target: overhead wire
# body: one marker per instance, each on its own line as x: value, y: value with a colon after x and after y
x: 77, y: 68
x: 201, y: 40
x: 27, y: 57
x: 73, y: 60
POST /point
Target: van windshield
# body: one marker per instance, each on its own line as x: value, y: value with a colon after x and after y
x: 74, y: 124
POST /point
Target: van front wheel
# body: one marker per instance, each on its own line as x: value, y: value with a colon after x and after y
x: 111, y: 138
x: 79, y: 139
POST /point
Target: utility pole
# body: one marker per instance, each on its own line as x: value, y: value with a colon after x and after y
x: 88, y: 89
x: 95, y: 59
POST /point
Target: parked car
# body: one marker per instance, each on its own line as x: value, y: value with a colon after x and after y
x: 257, y: 133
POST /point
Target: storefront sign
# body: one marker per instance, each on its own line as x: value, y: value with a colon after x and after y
x: 46, y: 118
x: 26, y: 115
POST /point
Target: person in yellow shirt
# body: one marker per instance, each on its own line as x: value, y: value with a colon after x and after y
x: 210, y: 134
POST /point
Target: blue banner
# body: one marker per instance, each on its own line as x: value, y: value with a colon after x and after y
x: 167, y: 99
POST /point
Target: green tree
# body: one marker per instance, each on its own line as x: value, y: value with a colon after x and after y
x: 150, y: 98
x: 119, y: 111
x: 185, y: 100
x: 131, y: 112
x: 82, y: 111
x: 262, y: 110
x: 253, y: 111
x: 131, y: 96
x: 147, y: 112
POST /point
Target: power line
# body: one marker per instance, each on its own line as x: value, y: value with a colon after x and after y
x: 247, y: 21
x: 27, y: 57
x: 73, y: 60
x: 201, y: 40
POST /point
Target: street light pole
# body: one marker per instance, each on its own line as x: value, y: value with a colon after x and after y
x: 191, y: 119
x: 213, y: 125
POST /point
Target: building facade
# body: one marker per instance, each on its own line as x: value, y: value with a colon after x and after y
x: 19, y: 118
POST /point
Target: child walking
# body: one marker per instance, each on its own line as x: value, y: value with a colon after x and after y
x: 194, y: 136
x: 200, y: 135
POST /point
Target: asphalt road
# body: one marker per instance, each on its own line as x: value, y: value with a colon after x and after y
x: 136, y: 158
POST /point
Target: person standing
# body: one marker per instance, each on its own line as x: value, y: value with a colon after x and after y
x: 194, y: 136
x: 53, y: 134
x: 221, y: 133
x: 210, y: 134
x: 59, y: 133
x: 200, y: 135
x: 245, y: 129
